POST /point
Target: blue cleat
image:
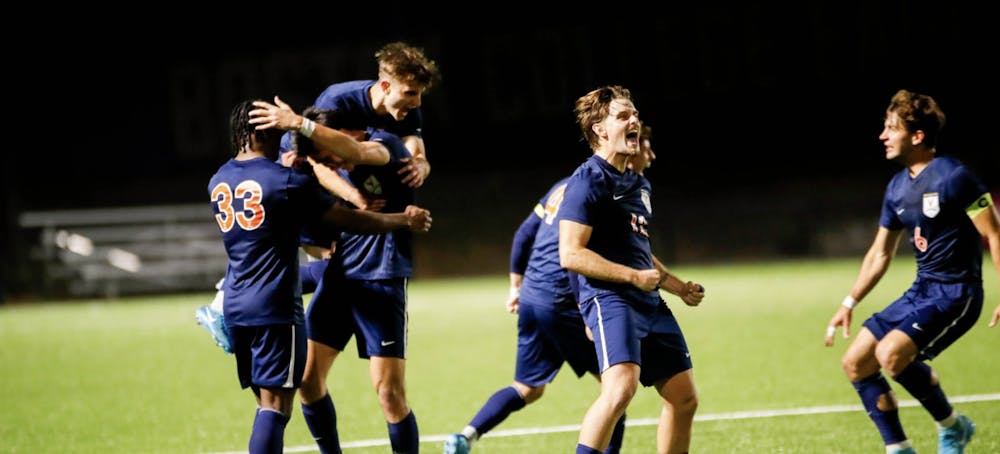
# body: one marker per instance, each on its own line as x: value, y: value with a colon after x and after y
x: 953, y: 439
x: 456, y: 444
x: 216, y: 326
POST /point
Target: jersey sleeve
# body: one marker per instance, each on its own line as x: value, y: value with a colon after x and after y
x: 580, y: 200
x: 392, y: 142
x: 966, y: 191
x: 524, y: 238
x: 889, y: 219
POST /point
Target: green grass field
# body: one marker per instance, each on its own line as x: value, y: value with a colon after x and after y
x: 139, y: 375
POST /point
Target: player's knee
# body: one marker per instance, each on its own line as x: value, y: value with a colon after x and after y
x: 689, y: 404
x: 311, y: 390
x: 620, y: 397
x: 684, y: 405
x: 890, y: 359
x: 531, y: 393
x: 391, y: 396
x: 850, y: 366
x: 856, y: 368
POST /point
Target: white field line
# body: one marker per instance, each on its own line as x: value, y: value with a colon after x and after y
x: 645, y: 422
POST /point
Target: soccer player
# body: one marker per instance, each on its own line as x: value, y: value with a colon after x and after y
x: 550, y: 327
x: 363, y: 294
x: 945, y: 210
x: 604, y: 237
x: 316, y: 241
x: 260, y: 207
x: 392, y: 103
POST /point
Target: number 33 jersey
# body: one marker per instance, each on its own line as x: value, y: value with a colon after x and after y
x: 260, y: 207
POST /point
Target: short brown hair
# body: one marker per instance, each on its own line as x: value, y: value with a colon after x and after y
x: 407, y: 63
x: 593, y: 108
x: 918, y: 112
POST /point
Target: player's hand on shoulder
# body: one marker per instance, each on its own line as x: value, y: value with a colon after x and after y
x: 413, y: 171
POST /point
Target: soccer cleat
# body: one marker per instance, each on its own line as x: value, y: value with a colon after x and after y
x: 456, y: 444
x: 953, y: 439
x: 216, y: 326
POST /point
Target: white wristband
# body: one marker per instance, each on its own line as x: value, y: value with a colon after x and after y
x: 307, y: 128
x: 850, y: 302
x: 514, y: 293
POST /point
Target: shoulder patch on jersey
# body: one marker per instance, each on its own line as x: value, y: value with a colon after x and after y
x: 932, y: 205
x: 983, y: 203
x: 645, y: 201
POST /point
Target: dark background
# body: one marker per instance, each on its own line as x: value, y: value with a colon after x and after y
x: 765, y: 117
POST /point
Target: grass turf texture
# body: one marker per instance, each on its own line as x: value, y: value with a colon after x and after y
x: 139, y: 375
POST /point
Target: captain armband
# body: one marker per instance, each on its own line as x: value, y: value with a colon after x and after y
x: 983, y: 203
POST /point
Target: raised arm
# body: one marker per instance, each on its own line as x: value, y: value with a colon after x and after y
x: 281, y: 116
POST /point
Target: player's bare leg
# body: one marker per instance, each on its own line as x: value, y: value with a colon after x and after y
x: 618, y: 386
x: 680, y: 401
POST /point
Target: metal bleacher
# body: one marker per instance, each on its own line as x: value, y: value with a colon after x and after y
x: 129, y: 250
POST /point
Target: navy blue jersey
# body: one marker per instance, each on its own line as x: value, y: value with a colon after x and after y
x: 260, y: 207
x: 317, y: 233
x: 616, y: 206
x: 934, y: 207
x: 384, y: 255
x: 545, y: 279
x: 352, y: 99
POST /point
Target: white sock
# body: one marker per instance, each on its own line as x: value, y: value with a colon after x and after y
x: 889, y: 449
x: 217, y: 302
x: 949, y: 421
x: 470, y: 434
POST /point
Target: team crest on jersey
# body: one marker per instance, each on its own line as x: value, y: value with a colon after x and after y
x: 372, y: 185
x: 932, y: 206
x: 645, y: 201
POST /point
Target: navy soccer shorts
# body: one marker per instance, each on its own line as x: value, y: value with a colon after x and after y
x: 271, y: 356
x: 374, y: 311
x: 549, y: 334
x: 651, y: 339
x: 933, y: 314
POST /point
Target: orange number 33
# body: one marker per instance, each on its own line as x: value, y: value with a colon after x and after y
x: 252, y: 214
